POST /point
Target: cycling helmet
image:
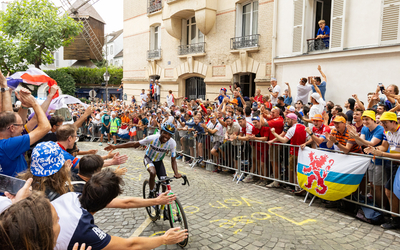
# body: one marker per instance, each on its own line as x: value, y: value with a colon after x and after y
x: 168, y: 127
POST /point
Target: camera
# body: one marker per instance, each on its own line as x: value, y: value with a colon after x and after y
x: 381, y: 87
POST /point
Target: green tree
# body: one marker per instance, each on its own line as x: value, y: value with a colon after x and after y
x: 10, y: 58
x: 39, y: 29
x: 64, y: 80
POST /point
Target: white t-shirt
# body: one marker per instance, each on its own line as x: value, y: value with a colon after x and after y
x: 170, y: 119
x: 315, y: 109
x: 4, y: 203
x: 157, y: 88
x: 77, y: 224
x: 303, y: 92
x: 276, y: 89
x: 144, y: 97
x: 170, y: 100
x: 97, y: 120
x: 249, y: 120
x: 219, y: 135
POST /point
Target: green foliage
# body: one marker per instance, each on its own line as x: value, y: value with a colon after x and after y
x: 84, y: 100
x: 10, y: 59
x: 94, y: 76
x: 64, y: 80
x: 37, y: 29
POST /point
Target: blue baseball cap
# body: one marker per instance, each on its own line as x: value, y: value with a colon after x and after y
x: 255, y: 118
x: 47, y: 159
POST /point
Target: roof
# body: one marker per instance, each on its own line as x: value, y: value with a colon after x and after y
x: 86, y: 10
x: 120, y: 54
x: 115, y: 35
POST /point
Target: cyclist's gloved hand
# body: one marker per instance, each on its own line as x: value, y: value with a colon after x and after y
x: 178, y: 175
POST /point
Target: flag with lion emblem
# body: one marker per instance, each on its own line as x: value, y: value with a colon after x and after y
x: 330, y: 176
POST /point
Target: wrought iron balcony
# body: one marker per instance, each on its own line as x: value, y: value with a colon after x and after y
x: 154, y: 54
x: 317, y: 44
x: 153, y: 6
x: 194, y: 48
x: 245, y: 42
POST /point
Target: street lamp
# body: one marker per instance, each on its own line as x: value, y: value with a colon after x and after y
x: 106, y: 79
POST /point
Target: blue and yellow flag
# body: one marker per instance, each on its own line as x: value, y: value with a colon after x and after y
x: 330, y: 176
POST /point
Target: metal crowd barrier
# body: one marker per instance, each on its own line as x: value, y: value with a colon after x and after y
x: 275, y: 163
x: 96, y: 132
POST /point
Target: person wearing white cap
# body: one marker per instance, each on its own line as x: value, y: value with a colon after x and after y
x: 275, y: 91
x: 318, y: 104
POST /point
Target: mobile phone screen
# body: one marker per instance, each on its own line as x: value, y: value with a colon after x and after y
x: 10, y: 184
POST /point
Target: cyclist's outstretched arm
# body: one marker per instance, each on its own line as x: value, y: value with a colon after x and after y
x: 134, y: 144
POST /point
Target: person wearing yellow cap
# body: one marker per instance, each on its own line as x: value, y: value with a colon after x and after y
x: 340, y: 137
x: 371, y: 135
x: 391, y: 142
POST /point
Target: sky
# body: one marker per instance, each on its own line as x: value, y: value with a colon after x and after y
x: 110, y: 10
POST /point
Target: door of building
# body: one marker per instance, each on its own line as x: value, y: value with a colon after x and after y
x: 195, y: 88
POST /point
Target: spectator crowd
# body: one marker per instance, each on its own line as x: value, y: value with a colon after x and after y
x: 232, y: 131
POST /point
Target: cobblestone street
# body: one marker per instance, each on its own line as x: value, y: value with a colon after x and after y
x: 225, y: 215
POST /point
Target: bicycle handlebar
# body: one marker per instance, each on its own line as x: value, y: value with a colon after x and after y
x: 185, y: 180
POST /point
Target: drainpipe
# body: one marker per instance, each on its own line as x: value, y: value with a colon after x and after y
x: 275, y: 24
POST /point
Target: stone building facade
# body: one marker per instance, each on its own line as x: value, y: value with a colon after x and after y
x: 198, y: 47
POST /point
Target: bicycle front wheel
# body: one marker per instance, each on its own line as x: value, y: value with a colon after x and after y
x: 177, y: 218
x: 152, y: 211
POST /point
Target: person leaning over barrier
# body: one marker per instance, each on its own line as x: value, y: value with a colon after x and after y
x: 339, y: 137
x: 391, y: 142
x: 297, y: 135
x: 371, y: 135
x: 76, y: 212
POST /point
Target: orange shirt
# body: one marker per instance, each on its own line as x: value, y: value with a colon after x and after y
x: 125, y: 119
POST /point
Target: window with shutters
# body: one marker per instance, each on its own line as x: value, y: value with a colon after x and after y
x: 155, y: 43
x: 390, y: 21
x: 192, y: 38
x: 246, y: 26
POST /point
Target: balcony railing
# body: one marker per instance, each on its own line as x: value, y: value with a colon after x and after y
x: 154, y: 54
x: 153, y: 6
x: 317, y: 44
x: 194, y: 48
x: 245, y: 42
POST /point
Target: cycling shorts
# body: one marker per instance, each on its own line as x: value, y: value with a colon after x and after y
x: 159, y: 166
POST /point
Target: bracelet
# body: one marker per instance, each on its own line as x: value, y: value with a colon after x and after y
x: 24, y: 107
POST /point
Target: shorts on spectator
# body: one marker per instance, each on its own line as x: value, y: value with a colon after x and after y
x: 376, y: 175
x: 105, y: 130
x: 230, y: 150
x: 139, y: 134
x: 114, y: 134
x: 292, y: 162
x: 201, y: 138
x: 216, y: 145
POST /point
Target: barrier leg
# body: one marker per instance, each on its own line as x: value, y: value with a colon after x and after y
x: 305, y: 199
x: 312, y: 200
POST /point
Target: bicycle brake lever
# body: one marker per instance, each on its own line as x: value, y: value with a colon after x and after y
x: 185, y: 180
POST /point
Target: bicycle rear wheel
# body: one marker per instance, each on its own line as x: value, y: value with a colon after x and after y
x: 152, y: 211
x: 177, y: 218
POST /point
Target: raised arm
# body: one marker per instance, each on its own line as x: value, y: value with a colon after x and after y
x: 6, y: 95
x: 322, y: 73
x: 359, y: 103
x: 83, y: 118
x: 316, y: 87
x: 289, y: 90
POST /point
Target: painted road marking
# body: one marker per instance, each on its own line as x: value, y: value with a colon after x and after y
x: 141, y: 228
x: 292, y: 221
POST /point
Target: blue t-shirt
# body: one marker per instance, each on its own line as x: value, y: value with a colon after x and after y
x: 221, y: 98
x: 378, y: 133
x: 240, y: 104
x: 326, y: 31
x: 322, y: 88
x: 106, y: 119
x: 145, y: 122
x: 288, y: 100
x: 12, y: 155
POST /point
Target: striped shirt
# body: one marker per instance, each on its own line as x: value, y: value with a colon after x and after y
x: 344, y: 139
x: 394, y: 140
x: 155, y: 150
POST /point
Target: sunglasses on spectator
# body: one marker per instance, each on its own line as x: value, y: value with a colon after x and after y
x: 16, y: 124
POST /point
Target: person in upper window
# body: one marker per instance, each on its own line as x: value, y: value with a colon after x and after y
x: 323, y: 32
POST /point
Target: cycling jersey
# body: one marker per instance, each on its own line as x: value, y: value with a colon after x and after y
x: 155, y: 150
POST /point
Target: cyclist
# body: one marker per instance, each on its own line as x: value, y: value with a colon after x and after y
x: 157, y: 146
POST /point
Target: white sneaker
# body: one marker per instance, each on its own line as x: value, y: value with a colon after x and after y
x: 274, y: 184
x: 248, y: 179
x: 100, y: 144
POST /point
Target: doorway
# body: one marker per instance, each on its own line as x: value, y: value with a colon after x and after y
x: 195, y: 88
x: 247, y: 84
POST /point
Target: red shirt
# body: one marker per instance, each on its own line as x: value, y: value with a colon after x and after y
x: 276, y: 123
x: 321, y: 130
x: 262, y: 132
x: 297, y: 135
x: 258, y: 98
x: 268, y: 105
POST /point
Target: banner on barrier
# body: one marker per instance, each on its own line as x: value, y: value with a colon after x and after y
x: 330, y: 176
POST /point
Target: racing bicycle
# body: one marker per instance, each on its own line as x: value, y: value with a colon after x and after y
x: 174, y: 212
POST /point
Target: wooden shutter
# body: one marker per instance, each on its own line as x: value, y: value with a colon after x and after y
x: 298, y: 24
x: 337, y: 24
x: 390, y: 20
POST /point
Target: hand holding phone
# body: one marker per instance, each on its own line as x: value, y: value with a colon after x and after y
x: 10, y: 184
x: 381, y: 87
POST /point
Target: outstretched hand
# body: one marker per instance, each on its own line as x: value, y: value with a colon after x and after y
x: 110, y: 147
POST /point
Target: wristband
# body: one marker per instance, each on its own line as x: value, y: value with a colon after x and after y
x: 311, y: 134
x: 237, y: 137
x: 24, y: 107
x: 336, y: 143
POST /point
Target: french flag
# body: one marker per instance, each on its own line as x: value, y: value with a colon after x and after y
x: 32, y: 76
